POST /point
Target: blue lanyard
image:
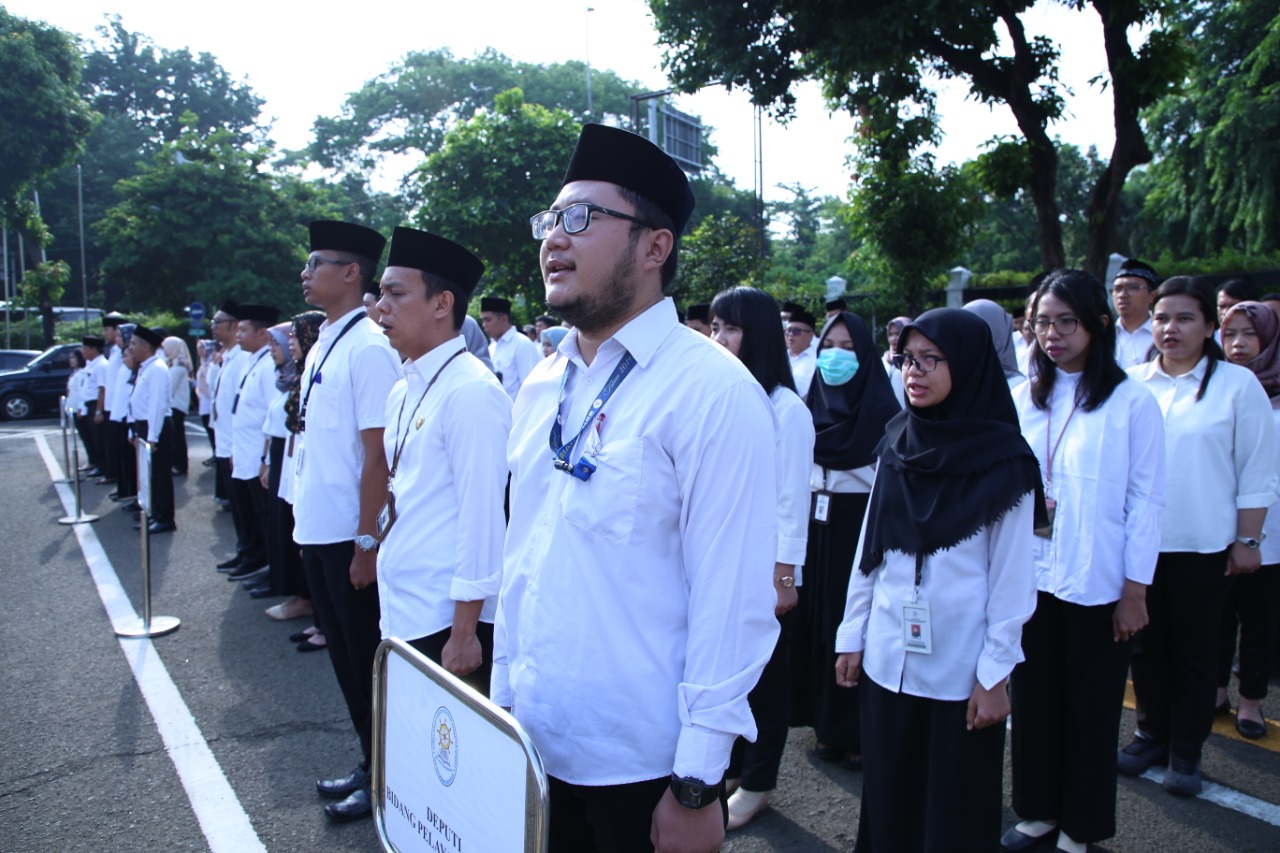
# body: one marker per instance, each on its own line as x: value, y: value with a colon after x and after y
x: 563, y: 451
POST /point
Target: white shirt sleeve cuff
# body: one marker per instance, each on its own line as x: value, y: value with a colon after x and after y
x: 461, y: 589
x: 850, y: 638
x: 790, y: 550
x: 700, y: 753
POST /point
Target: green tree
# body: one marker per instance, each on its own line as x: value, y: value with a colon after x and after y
x: 875, y: 60
x: 489, y: 176
x: 721, y: 252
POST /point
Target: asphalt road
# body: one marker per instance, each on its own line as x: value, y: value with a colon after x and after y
x: 83, y: 766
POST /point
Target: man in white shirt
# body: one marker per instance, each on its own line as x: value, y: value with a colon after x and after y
x: 111, y: 441
x: 225, y: 326
x: 95, y: 370
x: 253, y: 392
x: 637, y: 598
x: 514, y: 356
x: 800, y: 331
x: 1132, y: 292
x: 440, y: 551
x: 150, y: 411
x: 341, y: 480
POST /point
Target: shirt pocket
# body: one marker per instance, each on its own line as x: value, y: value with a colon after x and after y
x: 322, y: 408
x: 605, y: 505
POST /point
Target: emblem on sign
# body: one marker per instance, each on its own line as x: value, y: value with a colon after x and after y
x: 444, y: 746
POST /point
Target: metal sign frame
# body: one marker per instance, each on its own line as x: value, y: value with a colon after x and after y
x: 537, y: 789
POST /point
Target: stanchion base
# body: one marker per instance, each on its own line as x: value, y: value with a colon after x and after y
x: 160, y: 625
x: 80, y: 519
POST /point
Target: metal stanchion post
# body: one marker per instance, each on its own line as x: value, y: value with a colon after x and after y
x: 80, y: 517
x: 64, y: 415
x: 148, y: 625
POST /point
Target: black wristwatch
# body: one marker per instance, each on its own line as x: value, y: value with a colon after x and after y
x: 694, y: 793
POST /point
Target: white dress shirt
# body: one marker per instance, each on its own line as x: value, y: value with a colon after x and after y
x: 514, y: 356
x: 224, y: 399
x: 446, y: 543
x: 113, y: 361
x: 802, y: 368
x: 1132, y: 347
x: 1220, y: 452
x: 276, y: 423
x: 179, y: 388
x: 348, y: 395
x: 1023, y: 352
x: 637, y: 607
x: 980, y: 593
x: 95, y: 377
x: 1271, y: 527
x: 150, y: 400
x: 254, y: 391
x: 795, y: 457
x: 1108, y: 482
x: 119, y: 390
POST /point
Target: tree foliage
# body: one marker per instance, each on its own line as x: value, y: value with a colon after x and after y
x: 721, y: 252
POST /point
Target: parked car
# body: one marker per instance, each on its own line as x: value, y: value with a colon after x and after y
x: 34, y: 389
x: 11, y: 359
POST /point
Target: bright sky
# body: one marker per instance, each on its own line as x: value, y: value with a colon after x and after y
x: 288, y: 52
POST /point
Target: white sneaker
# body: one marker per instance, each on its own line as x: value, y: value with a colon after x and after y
x: 745, y: 805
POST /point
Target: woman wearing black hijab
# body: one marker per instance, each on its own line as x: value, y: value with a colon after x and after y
x: 851, y: 401
x: 945, y: 581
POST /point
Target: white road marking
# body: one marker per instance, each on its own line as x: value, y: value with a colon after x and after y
x: 223, y: 820
x: 1229, y: 798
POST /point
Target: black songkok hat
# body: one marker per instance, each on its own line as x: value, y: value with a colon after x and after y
x: 346, y: 237
x: 258, y: 313
x: 700, y: 311
x: 837, y: 305
x: 1138, y: 269
x: 91, y: 341
x: 231, y: 308
x: 802, y: 316
x: 429, y: 253
x: 155, y: 337
x: 495, y: 305
x: 791, y: 307
x: 115, y: 318
x: 629, y: 160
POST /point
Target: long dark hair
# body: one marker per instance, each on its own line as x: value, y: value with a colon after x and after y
x: 1181, y: 285
x: 764, y: 348
x: 1085, y: 295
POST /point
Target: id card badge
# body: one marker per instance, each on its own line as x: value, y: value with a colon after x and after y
x: 917, y: 634
x: 1051, y: 508
x: 386, y: 517
x: 302, y: 452
x: 821, y: 506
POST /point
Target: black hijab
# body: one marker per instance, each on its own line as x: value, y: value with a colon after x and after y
x: 849, y: 419
x: 949, y: 470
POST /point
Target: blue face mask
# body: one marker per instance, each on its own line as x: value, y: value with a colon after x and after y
x: 837, y: 365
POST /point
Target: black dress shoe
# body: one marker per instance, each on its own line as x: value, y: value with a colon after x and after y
x: 132, y: 506
x: 233, y: 563
x: 1013, y: 840
x: 246, y: 571
x: 299, y: 637
x: 336, y: 789
x: 256, y: 583
x: 262, y: 592
x: 359, y: 804
x: 1252, y: 729
x: 161, y: 527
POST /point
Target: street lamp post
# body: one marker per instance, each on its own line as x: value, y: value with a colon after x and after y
x: 590, y: 9
x: 84, y: 282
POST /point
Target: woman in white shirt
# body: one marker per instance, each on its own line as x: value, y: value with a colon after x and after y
x: 178, y: 354
x: 744, y: 320
x: 1251, y: 339
x: 942, y: 587
x: 204, y: 391
x: 1099, y: 439
x: 851, y: 401
x: 1220, y: 452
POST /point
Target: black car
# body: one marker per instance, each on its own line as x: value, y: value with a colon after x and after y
x: 35, y: 388
x: 12, y: 359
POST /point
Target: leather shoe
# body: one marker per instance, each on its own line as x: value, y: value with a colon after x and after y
x: 336, y: 789
x: 1015, y: 840
x: 308, y: 646
x: 255, y: 582
x: 1141, y: 754
x: 245, y: 572
x: 262, y: 592
x: 233, y: 563
x: 133, y: 506
x: 161, y: 527
x: 354, y: 807
x: 1183, y: 777
x: 1252, y: 729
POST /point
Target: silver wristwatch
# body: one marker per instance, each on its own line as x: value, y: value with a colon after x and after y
x: 366, y: 543
x: 1249, y: 542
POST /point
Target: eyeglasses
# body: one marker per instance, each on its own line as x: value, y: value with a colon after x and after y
x: 796, y: 331
x: 1064, y: 325
x: 924, y: 364
x: 1121, y: 289
x: 315, y: 261
x: 576, y: 218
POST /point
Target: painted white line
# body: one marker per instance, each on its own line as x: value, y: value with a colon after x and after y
x: 222, y: 818
x: 1229, y: 798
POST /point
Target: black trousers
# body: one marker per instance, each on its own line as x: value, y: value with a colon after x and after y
x: 249, y: 511
x: 348, y: 617
x: 606, y: 818
x: 219, y: 480
x: 123, y: 459
x: 161, y: 471
x: 237, y: 518
x: 180, y: 454
x: 112, y: 438
x: 1174, y: 665
x: 1252, y: 607
x: 928, y: 785
x: 432, y: 646
x: 756, y: 764
x: 1067, y: 699
x: 89, y: 437
x: 283, y: 554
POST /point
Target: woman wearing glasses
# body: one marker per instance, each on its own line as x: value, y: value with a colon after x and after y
x: 851, y: 401
x: 744, y: 321
x: 1220, y: 453
x: 1099, y: 440
x: 932, y: 625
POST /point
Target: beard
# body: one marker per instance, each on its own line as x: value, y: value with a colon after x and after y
x: 605, y: 305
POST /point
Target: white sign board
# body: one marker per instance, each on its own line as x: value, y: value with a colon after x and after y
x: 452, y: 771
x: 144, y: 475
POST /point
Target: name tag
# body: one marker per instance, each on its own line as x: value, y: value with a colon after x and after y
x: 917, y: 635
x: 821, y: 506
x: 1051, y: 509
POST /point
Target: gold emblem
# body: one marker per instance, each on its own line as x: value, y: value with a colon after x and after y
x: 420, y: 422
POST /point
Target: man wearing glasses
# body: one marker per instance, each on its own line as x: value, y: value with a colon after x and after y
x: 799, y: 330
x: 636, y: 610
x: 342, y: 477
x: 1132, y: 292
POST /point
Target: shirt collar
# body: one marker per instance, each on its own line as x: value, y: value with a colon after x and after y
x: 1153, y: 368
x: 328, y: 328
x: 1145, y: 327
x: 426, y: 366
x: 510, y: 333
x: 641, y: 336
